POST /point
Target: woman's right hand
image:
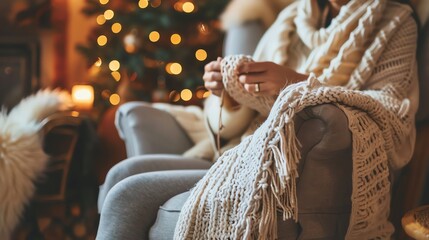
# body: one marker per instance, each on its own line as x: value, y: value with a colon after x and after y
x: 213, y: 78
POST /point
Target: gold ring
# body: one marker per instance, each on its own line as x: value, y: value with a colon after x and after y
x: 257, y: 89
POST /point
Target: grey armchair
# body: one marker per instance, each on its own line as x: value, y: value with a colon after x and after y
x: 143, y: 195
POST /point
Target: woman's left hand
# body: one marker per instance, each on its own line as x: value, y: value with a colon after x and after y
x: 270, y: 77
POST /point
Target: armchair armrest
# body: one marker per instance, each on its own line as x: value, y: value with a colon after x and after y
x: 326, y: 155
x: 147, y: 130
x: 324, y: 183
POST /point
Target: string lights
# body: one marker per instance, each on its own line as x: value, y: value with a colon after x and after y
x: 98, y: 62
x: 109, y: 14
x: 116, y: 27
x: 173, y: 68
x: 114, y: 99
x: 114, y: 65
x: 101, y: 19
x: 116, y: 75
x: 133, y: 39
x: 154, y: 36
x: 201, y: 55
x: 186, y: 95
x: 143, y: 4
x: 188, y: 7
x: 102, y: 40
x: 175, y: 38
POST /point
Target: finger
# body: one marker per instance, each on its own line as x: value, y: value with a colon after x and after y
x: 219, y: 59
x: 212, y: 76
x: 251, y: 78
x: 213, y: 86
x: 212, y: 66
x: 251, y: 88
x: 252, y: 67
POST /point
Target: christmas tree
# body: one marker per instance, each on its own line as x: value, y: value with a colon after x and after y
x: 151, y: 50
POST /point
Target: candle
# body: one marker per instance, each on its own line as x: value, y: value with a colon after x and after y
x: 83, y: 96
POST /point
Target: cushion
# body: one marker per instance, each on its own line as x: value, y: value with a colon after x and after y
x: 317, y: 225
x: 168, y: 215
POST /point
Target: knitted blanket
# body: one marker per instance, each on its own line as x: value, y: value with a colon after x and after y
x: 240, y: 195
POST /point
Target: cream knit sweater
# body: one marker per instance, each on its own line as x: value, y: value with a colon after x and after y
x: 364, y: 62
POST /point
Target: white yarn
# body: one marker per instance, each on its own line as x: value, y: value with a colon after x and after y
x: 240, y: 195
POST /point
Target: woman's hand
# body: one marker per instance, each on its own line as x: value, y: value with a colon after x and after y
x: 270, y: 77
x: 212, y: 77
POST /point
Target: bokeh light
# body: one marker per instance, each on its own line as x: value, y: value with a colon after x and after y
x: 207, y: 94
x: 174, y: 68
x: 116, y: 75
x: 143, y: 3
x: 114, y: 99
x: 188, y: 7
x: 101, y: 19
x: 154, y: 36
x: 186, y: 95
x: 174, y: 96
x: 116, y: 27
x: 98, y: 62
x: 102, y: 40
x: 175, y: 39
x: 109, y: 14
x: 201, y: 55
x: 114, y: 65
x: 155, y: 3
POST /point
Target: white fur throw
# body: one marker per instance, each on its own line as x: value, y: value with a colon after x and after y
x: 22, y: 159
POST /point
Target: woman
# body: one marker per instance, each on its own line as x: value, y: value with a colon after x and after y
x: 312, y: 38
x: 359, y: 55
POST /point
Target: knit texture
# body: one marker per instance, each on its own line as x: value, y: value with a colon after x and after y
x: 371, y: 78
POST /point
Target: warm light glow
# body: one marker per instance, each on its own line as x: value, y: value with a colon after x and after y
x: 98, y: 62
x: 173, y: 68
x: 175, y: 39
x: 143, y: 3
x: 200, y: 93
x: 203, y: 28
x: 101, y: 19
x: 188, y: 7
x: 174, y: 96
x: 83, y: 96
x: 104, y: 2
x: 155, y: 3
x: 154, y: 36
x: 116, y: 75
x: 130, y: 43
x: 102, y: 40
x: 105, y: 94
x: 186, y: 95
x: 178, y: 6
x: 114, y: 65
x: 116, y: 27
x: 207, y: 94
x: 114, y: 99
x: 201, y: 55
x: 109, y: 14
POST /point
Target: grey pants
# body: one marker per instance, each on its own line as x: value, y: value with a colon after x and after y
x: 135, y: 188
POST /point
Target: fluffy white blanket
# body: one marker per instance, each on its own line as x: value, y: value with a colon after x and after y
x: 22, y: 159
